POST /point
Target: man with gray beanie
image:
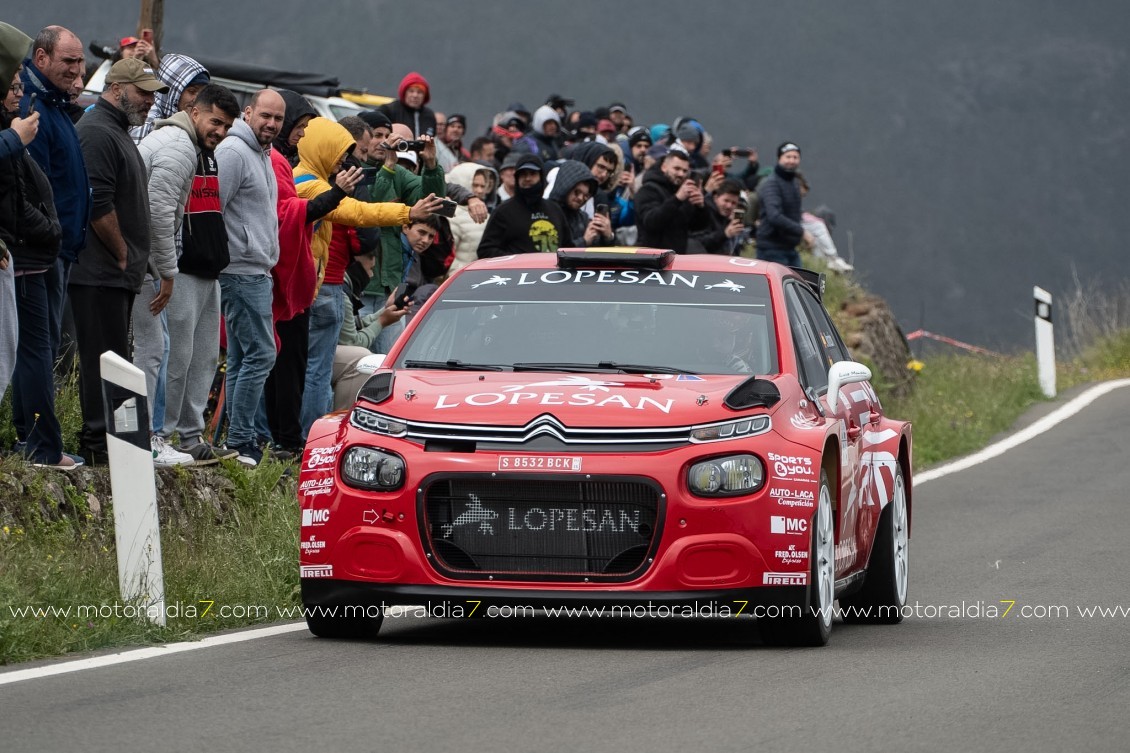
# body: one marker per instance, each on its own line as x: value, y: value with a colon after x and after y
x: 779, y: 229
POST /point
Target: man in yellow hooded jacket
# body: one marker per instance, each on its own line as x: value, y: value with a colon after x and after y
x: 321, y: 152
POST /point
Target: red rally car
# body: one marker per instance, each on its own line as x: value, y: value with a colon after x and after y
x: 620, y: 429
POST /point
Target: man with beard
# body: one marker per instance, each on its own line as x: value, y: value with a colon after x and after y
x: 669, y: 205
x: 190, y: 242
x: 526, y: 223
x: 249, y: 202
x: 779, y: 229
x: 103, y: 285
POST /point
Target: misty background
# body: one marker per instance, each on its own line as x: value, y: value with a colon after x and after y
x: 970, y: 150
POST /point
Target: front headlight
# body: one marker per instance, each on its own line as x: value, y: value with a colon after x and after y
x: 370, y: 468
x: 742, y: 427
x: 727, y: 476
x: 376, y: 423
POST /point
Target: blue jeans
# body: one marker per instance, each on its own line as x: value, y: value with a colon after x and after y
x: 245, y: 301
x: 326, y: 316
x: 790, y: 257
x: 33, y: 379
x: 54, y: 285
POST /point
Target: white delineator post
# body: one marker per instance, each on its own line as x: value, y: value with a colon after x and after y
x: 141, y: 576
x: 1045, y: 341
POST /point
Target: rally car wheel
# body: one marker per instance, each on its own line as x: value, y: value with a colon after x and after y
x: 814, y: 626
x: 352, y: 627
x: 881, y: 599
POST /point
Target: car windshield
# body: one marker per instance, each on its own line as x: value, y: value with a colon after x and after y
x: 576, y: 320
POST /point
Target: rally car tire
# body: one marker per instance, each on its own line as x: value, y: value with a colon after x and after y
x: 881, y: 599
x: 350, y: 628
x: 814, y: 626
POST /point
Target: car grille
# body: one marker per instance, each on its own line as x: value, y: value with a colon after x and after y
x: 548, y: 426
x: 541, y: 529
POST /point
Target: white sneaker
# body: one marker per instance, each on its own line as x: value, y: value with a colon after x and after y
x: 164, y: 455
x: 839, y: 264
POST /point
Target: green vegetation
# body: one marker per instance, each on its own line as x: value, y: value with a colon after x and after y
x: 228, y: 562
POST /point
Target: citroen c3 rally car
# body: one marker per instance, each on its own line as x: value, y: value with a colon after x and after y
x: 619, y: 429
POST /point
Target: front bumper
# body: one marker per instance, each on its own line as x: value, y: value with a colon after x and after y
x: 448, y: 600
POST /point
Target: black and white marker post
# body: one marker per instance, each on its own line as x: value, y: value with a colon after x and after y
x: 1045, y: 341
x: 141, y: 576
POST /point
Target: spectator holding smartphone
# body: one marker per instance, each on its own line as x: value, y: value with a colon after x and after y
x: 670, y: 205
x: 725, y: 232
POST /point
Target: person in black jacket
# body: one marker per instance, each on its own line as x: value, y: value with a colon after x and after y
x: 30, y: 230
x: 113, y: 263
x: 410, y: 107
x: 779, y: 229
x: 669, y: 205
x: 526, y: 223
x: 574, y: 186
x: 724, y: 233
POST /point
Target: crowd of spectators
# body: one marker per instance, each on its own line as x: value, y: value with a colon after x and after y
x: 183, y: 233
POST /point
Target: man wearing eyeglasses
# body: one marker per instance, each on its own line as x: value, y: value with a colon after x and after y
x: 48, y: 76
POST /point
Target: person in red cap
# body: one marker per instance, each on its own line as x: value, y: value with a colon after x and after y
x: 133, y: 47
x: 410, y: 108
x: 606, y: 131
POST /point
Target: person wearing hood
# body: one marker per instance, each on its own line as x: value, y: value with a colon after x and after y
x: 189, y: 239
x: 295, y: 277
x: 410, y: 107
x: 542, y: 139
x: 320, y: 155
x: 604, y: 162
x: 466, y: 232
x: 185, y: 78
x: 56, y: 62
x: 574, y: 186
x: 299, y: 113
x: 691, y: 135
x: 526, y: 223
x: 29, y: 244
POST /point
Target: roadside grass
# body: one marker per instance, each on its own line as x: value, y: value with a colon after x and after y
x: 232, y: 572
x: 234, y: 564
x: 960, y: 402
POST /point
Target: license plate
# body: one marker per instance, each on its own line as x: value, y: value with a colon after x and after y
x: 539, y: 463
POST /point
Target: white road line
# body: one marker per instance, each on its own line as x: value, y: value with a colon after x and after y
x: 152, y: 652
x: 1047, y: 422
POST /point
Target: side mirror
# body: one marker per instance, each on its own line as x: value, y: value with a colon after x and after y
x: 841, y: 373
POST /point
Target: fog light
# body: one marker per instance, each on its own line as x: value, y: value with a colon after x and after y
x: 726, y: 477
x: 370, y: 468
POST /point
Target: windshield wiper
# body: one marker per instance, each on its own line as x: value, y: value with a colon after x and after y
x: 451, y: 365
x: 621, y: 368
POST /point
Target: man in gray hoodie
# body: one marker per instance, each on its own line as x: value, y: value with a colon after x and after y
x: 249, y: 199
x: 177, y: 155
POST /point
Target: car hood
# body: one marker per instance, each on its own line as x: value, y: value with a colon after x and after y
x: 581, y: 400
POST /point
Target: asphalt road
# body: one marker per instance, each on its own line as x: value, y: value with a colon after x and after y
x: 1043, y: 526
